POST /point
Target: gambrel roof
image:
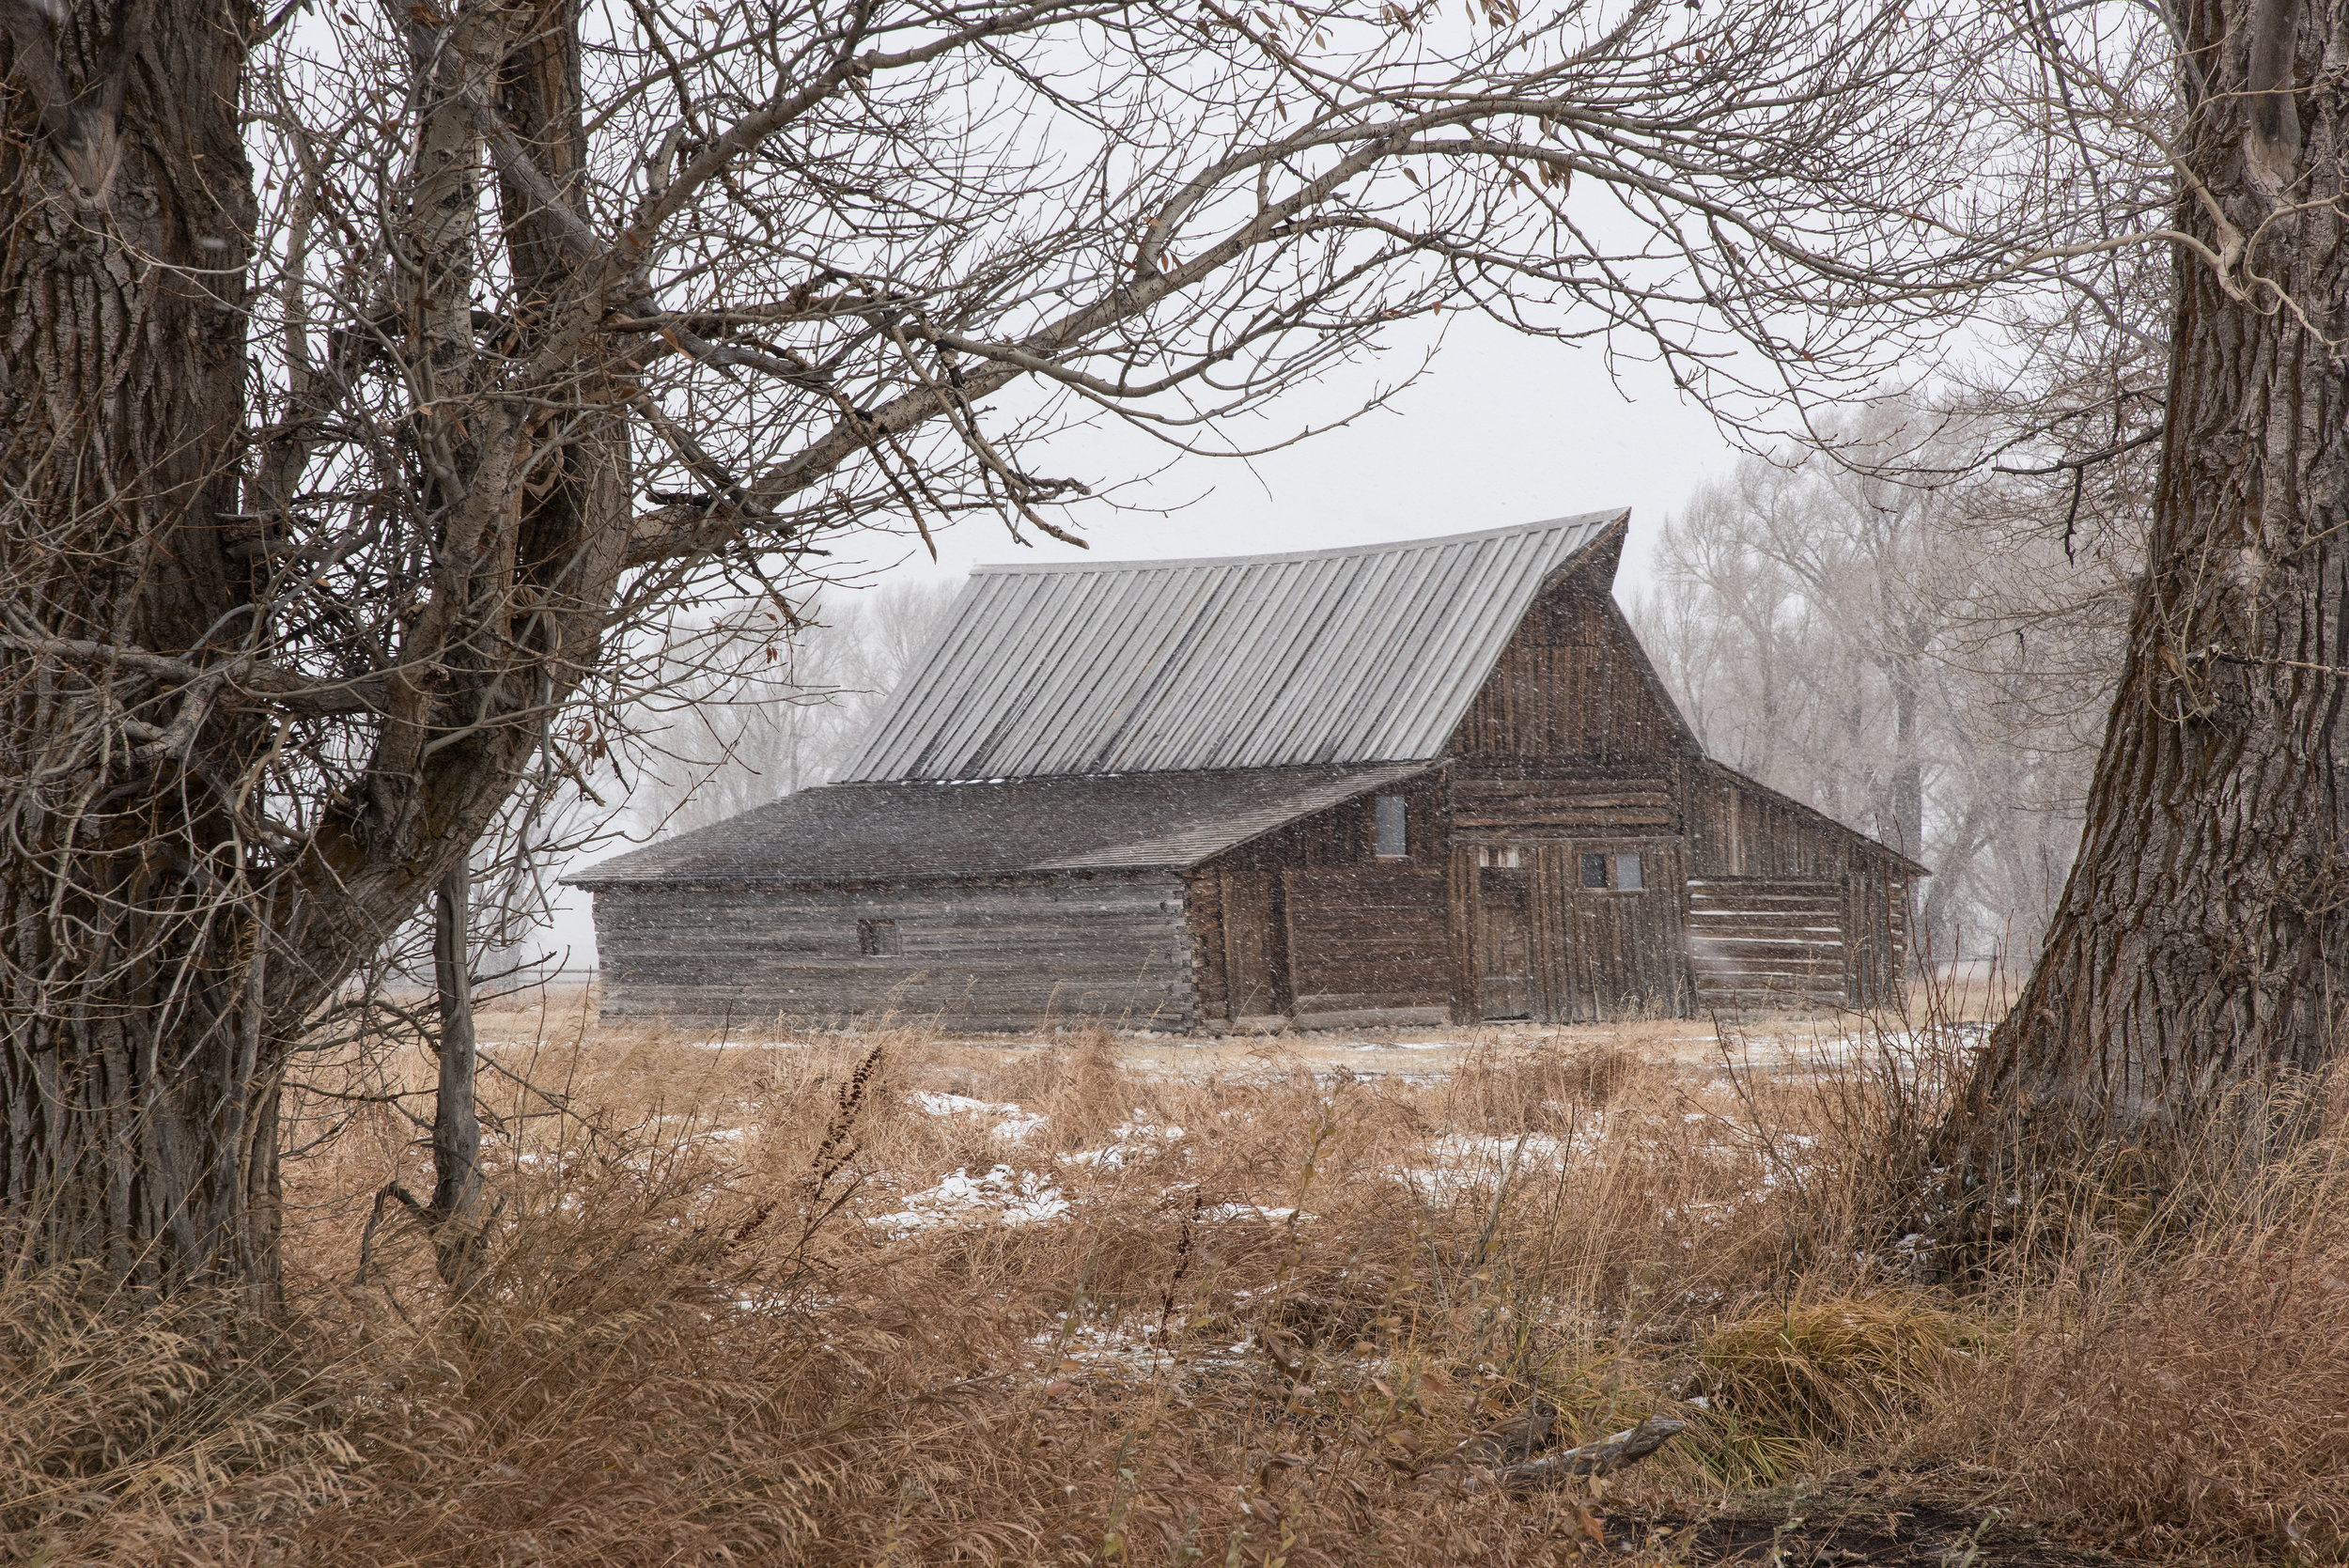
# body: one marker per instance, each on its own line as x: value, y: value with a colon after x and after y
x: 1370, y: 654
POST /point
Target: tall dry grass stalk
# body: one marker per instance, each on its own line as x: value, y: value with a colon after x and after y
x: 740, y: 1307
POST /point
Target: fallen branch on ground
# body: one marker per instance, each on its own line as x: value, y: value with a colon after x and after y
x: 1598, y: 1458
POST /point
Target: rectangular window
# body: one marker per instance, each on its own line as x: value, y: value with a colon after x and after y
x: 1394, y: 841
x: 877, y: 938
x: 1627, y: 878
x: 1593, y: 871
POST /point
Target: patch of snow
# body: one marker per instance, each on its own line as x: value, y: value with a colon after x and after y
x: 1131, y: 1138
x: 1462, y: 1148
x: 1015, y: 1122
x: 1244, y: 1211
x: 1000, y: 1195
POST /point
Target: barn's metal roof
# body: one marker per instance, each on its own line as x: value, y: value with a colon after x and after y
x: 911, y: 832
x: 1361, y: 655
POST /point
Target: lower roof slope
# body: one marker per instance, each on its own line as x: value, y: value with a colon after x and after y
x: 908, y: 831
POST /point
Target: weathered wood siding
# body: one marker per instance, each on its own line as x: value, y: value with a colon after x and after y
x: 1734, y: 831
x: 1756, y: 943
x: 1520, y: 827
x: 1571, y: 685
x: 1625, y: 954
x: 1202, y: 916
x: 1492, y: 802
x: 1740, y: 833
x: 1365, y: 938
x: 1876, y: 935
x: 1540, y: 944
x: 998, y: 954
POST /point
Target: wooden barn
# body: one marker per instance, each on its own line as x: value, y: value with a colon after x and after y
x: 1428, y: 781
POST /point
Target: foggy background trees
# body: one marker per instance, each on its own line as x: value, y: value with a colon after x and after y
x: 1919, y: 659
x: 751, y: 709
x: 1912, y: 619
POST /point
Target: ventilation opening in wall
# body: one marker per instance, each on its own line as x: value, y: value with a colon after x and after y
x: 877, y: 938
x: 1394, y: 842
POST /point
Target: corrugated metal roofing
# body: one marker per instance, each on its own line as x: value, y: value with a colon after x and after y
x: 1361, y: 655
x: 914, y: 831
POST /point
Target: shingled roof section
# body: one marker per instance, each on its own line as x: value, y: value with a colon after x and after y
x: 1332, y: 657
x: 996, y: 827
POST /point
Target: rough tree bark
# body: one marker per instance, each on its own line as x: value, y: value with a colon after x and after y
x: 2197, y: 960
x: 139, y: 1101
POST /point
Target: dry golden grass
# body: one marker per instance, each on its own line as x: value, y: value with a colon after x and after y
x: 705, y: 1338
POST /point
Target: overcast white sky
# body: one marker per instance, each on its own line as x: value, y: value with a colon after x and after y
x: 1501, y: 429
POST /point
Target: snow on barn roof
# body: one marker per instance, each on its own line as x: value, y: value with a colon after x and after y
x: 996, y: 827
x: 1361, y: 655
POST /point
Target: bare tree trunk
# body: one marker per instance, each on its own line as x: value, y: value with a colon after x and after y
x: 158, y: 950
x: 2196, y: 959
x: 456, y: 1119
x: 139, y: 1084
x: 1908, y: 769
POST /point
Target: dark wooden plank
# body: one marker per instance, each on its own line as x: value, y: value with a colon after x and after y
x: 1460, y: 935
x: 1210, y: 971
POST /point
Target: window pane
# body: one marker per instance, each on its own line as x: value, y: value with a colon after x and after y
x: 877, y: 938
x: 1627, y: 873
x: 1392, y: 842
x: 1593, y: 871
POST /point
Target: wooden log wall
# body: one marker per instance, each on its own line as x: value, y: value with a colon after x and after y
x: 1000, y: 954
x: 1759, y: 943
x: 1203, y: 901
x: 1521, y: 830
x: 1735, y: 830
x: 1738, y: 831
x: 1525, y: 801
x: 1612, y: 955
x: 1875, y: 936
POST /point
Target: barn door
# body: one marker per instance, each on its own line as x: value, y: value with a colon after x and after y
x: 1622, y: 945
x: 1249, y: 957
x: 1504, y: 945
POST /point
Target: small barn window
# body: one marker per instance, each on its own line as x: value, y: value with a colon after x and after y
x: 1394, y: 837
x: 877, y: 938
x: 1593, y: 871
x: 1627, y: 877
